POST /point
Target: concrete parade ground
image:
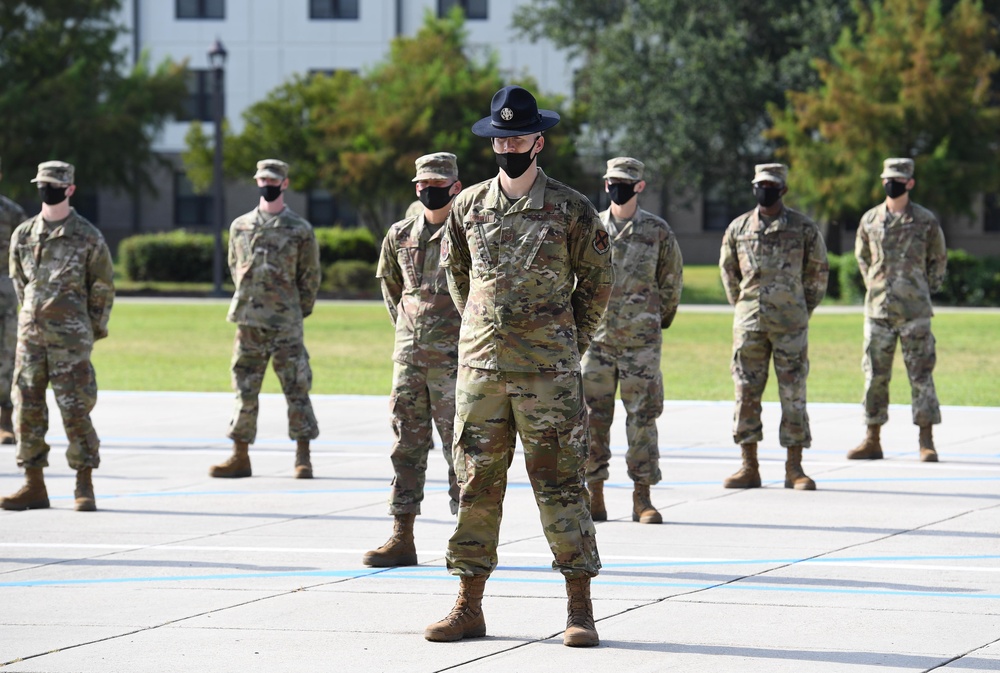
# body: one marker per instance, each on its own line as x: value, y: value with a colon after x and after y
x: 891, y: 565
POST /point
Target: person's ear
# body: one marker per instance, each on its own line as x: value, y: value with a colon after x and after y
x: 639, y: 186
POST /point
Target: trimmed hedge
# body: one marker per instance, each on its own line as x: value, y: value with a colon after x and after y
x: 176, y: 256
x: 970, y: 280
x: 350, y: 277
x: 186, y: 257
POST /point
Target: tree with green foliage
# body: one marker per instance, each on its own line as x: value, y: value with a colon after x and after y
x: 358, y: 135
x: 67, y: 93
x: 684, y: 85
x: 911, y: 80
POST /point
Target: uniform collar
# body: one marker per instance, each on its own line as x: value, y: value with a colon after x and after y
x: 535, y: 199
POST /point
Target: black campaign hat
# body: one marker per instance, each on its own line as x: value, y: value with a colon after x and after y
x: 514, y: 112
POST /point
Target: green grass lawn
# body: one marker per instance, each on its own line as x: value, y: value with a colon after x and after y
x: 187, y: 346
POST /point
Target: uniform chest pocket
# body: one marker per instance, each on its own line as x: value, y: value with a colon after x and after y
x: 548, y: 249
x: 904, y: 240
x: 786, y: 251
x: 748, y: 248
x: 634, y: 255
x: 410, y: 259
x: 67, y: 263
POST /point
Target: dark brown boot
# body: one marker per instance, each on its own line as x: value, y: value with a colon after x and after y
x: 580, y: 628
x: 84, y: 493
x: 748, y: 476
x: 466, y: 619
x: 928, y: 454
x: 794, y: 476
x: 399, y: 550
x: 642, y: 506
x: 870, y: 448
x: 236, y: 466
x: 31, y: 496
x: 6, y: 425
x: 303, y: 466
x: 598, y: 510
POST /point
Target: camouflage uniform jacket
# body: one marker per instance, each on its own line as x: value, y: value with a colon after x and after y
x: 11, y: 215
x: 902, y: 260
x: 648, y: 279
x: 63, y: 276
x: 415, y: 288
x: 774, y: 273
x: 274, y: 261
x: 531, y: 281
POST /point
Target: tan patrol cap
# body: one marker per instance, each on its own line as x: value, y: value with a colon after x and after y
x: 57, y: 172
x: 899, y: 167
x: 625, y: 168
x: 770, y: 173
x: 437, y: 166
x: 271, y: 168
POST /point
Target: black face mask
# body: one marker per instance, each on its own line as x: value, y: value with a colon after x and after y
x: 270, y: 192
x: 894, y: 189
x: 435, y: 198
x: 767, y: 196
x: 621, y: 192
x: 50, y: 194
x: 514, y: 164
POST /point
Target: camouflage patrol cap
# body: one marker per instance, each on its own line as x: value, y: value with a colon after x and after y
x: 58, y: 172
x: 271, y: 168
x: 900, y: 167
x: 625, y: 168
x: 437, y: 166
x: 770, y: 173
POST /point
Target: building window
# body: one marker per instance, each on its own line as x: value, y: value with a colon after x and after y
x: 190, y: 209
x: 719, y: 209
x: 333, y: 9
x: 474, y: 9
x: 201, y: 9
x: 324, y: 209
x: 198, y: 103
x: 991, y: 213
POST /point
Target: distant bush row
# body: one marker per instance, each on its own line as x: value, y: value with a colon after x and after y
x: 348, y: 258
x: 970, y: 281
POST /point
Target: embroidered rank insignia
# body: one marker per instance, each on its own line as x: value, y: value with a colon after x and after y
x: 602, y: 242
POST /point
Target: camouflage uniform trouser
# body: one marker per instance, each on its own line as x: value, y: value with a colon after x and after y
x: 75, y: 387
x: 421, y: 396
x: 752, y: 352
x: 251, y: 351
x: 8, y: 348
x: 919, y: 355
x: 547, y: 409
x: 637, y: 371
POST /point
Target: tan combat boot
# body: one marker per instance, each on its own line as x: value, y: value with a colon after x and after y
x: 6, y: 425
x: 236, y: 466
x: 870, y: 448
x: 31, y: 496
x: 303, y: 466
x: 642, y: 506
x: 399, y: 550
x: 580, y: 628
x: 748, y: 476
x: 598, y: 510
x: 466, y: 619
x: 84, y: 493
x: 928, y: 454
x: 794, y: 476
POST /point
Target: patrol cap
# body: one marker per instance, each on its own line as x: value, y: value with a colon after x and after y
x: 899, y: 167
x: 625, y: 168
x: 437, y: 166
x: 271, y: 168
x: 58, y: 172
x: 770, y: 173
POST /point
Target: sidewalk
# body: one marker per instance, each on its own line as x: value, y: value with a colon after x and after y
x: 891, y: 565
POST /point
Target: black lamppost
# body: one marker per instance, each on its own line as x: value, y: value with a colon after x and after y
x: 217, y: 59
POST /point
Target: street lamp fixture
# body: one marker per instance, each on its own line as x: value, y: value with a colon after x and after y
x: 217, y: 59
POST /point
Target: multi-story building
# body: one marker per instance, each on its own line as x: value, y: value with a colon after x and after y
x: 269, y: 41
